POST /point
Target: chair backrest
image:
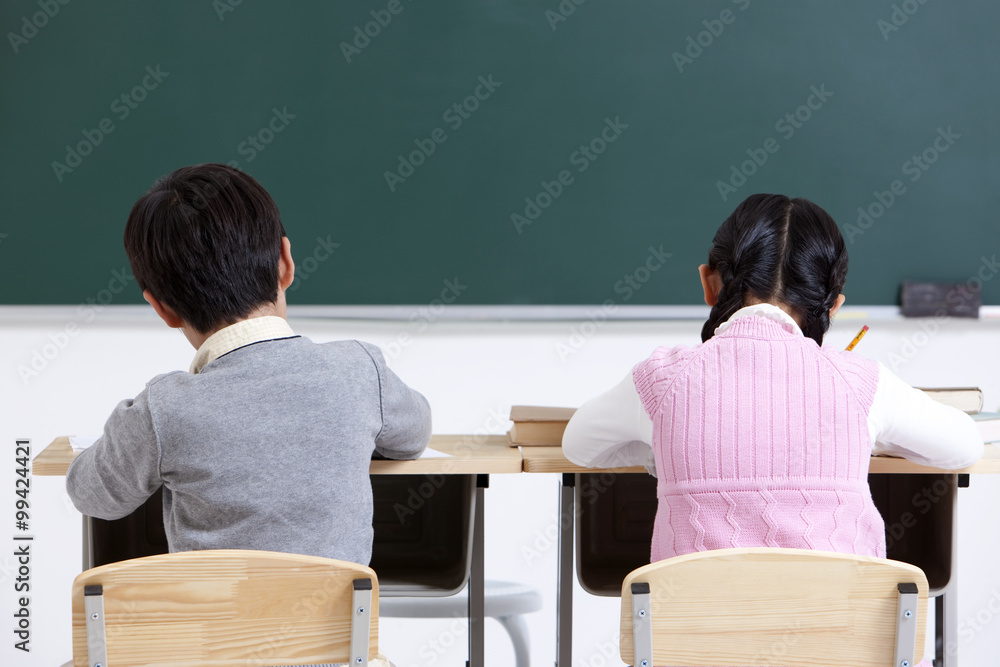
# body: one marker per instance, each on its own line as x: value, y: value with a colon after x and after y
x: 773, y: 607
x: 225, y: 607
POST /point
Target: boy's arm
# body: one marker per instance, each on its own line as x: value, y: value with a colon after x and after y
x: 406, y: 415
x: 612, y: 430
x: 115, y: 475
x: 906, y: 422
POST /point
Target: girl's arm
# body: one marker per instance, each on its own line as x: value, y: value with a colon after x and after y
x: 612, y: 430
x: 905, y: 422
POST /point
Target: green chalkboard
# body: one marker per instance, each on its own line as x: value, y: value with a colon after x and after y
x: 531, y: 151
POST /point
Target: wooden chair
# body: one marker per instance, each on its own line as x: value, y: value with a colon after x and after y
x: 214, y: 608
x: 773, y: 607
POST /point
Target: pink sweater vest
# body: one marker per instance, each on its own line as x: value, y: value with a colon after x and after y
x: 761, y: 440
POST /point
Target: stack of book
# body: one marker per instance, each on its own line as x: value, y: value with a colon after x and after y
x: 970, y: 400
x: 536, y: 426
x: 966, y: 399
x: 989, y: 425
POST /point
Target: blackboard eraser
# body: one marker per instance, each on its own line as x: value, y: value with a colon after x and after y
x: 940, y: 299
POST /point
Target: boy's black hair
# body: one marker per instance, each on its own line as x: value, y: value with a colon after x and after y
x: 773, y: 248
x: 205, y: 240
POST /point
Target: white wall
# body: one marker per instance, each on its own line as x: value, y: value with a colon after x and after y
x: 469, y: 371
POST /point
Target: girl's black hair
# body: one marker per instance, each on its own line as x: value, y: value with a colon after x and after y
x: 776, y: 249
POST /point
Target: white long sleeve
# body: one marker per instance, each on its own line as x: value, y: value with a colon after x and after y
x: 612, y: 430
x: 905, y: 422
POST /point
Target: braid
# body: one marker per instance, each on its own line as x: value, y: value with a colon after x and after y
x: 730, y: 300
x: 816, y: 323
x: 746, y: 255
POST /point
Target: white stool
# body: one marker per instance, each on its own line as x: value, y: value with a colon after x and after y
x: 505, y: 601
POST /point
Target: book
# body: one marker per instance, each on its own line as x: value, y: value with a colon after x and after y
x: 538, y: 413
x: 536, y: 426
x: 536, y: 434
x: 966, y: 399
x: 989, y: 425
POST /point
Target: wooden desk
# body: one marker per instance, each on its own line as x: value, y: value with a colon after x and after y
x: 552, y: 460
x: 471, y: 455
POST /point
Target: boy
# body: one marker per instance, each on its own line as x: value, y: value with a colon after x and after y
x: 266, y: 442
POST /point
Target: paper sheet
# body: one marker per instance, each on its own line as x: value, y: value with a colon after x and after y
x: 433, y: 454
x: 81, y: 442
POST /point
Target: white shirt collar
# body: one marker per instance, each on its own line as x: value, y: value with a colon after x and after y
x: 241, y: 334
x: 766, y: 310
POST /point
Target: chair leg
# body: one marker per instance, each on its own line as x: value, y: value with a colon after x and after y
x: 518, y: 631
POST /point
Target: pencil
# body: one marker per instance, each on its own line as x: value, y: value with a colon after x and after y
x: 861, y: 334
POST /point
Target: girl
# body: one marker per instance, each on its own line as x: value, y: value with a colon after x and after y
x: 759, y: 437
